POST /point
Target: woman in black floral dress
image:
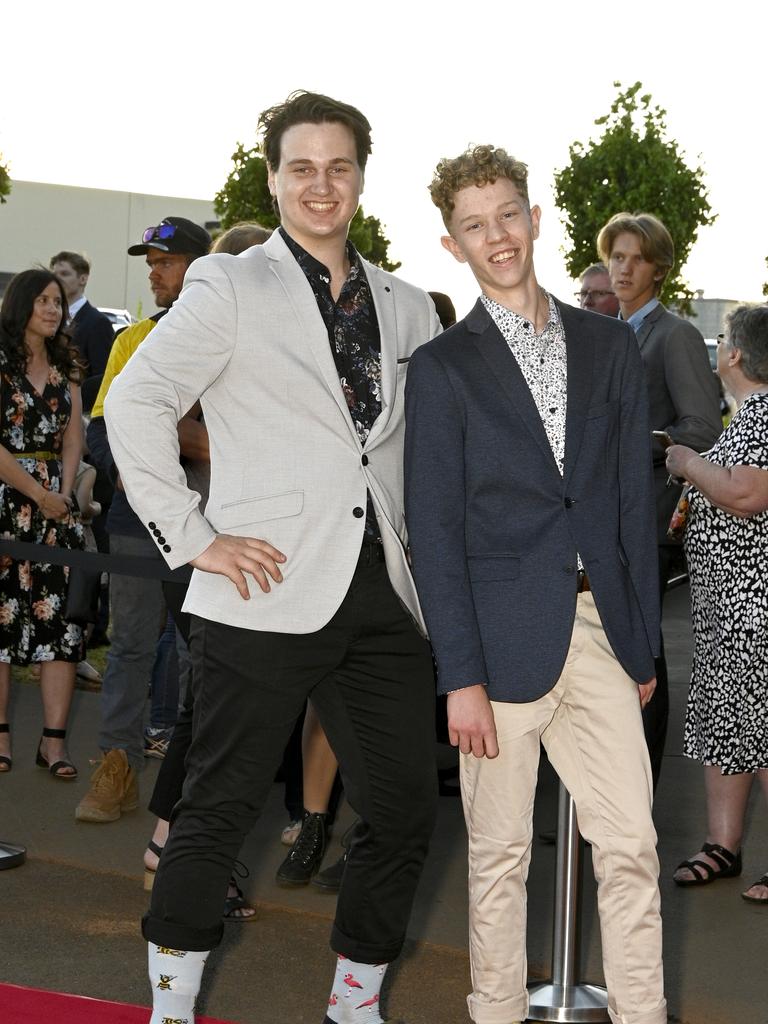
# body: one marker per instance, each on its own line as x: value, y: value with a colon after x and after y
x: 726, y: 544
x: 40, y: 445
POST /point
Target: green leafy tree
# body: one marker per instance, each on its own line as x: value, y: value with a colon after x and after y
x: 632, y: 167
x: 245, y: 196
x: 5, y: 180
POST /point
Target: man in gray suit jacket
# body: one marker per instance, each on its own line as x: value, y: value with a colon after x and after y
x: 529, y: 502
x: 297, y: 351
x: 682, y: 391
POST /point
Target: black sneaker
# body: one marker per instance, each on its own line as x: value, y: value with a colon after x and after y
x: 306, y: 854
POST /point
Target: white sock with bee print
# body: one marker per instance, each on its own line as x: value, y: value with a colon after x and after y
x: 175, y: 976
x: 355, y: 993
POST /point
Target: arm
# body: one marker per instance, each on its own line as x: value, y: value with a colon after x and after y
x: 692, y: 388
x: 637, y: 523
x: 435, y: 515
x: 72, y: 443
x: 740, y: 490
x: 193, y: 436
x: 52, y: 504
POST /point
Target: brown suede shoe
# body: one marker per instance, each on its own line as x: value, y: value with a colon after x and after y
x: 114, y: 790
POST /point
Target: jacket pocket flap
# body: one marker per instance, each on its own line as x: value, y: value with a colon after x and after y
x: 258, y: 510
x: 485, y: 568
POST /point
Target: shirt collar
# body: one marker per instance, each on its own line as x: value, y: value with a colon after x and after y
x: 517, y: 323
x: 76, y: 306
x: 636, y: 319
x: 311, y: 265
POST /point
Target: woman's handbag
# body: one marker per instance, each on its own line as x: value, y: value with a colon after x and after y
x: 82, y: 602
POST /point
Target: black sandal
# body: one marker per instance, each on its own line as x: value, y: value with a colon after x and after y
x: 55, y: 768
x: 703, y: 873
x: 233, y: 905
x: 757, y: 899
x: 6, y: 763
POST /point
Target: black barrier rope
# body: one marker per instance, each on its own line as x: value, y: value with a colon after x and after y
x: 93, y: 561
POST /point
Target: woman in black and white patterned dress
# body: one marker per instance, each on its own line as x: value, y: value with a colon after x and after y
x: 726, y: 544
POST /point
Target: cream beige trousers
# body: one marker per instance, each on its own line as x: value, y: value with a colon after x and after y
x: 591, y: 728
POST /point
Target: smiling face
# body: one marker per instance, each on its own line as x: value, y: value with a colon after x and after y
x: 493, y: 231
x: 317, y: 183
x: 633, y: 277
x: 166, y: 275
x: 46, y: 314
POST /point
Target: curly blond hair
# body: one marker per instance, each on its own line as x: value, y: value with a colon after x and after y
x: 478, y: 165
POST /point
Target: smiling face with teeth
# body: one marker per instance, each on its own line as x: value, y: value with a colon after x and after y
x: 493, y: 230
x: 317, y: 184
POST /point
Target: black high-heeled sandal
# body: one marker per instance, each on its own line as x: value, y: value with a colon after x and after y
x: 55, y: 769
x: 236, y: 908
x: 6, y: 763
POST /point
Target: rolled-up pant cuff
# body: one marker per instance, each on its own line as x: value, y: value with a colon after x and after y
x: 180, y: 936
x: 363, y: 952
x: 656, y: 1016
x: 498, y: 1012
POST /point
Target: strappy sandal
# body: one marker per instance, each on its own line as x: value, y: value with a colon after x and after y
x: 757, y: 899
x: 729, y: 864
x: 233, y: 905
x: 6, y: 763
x: 56, y: 768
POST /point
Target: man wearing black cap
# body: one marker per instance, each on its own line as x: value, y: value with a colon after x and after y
x: 137, y: 605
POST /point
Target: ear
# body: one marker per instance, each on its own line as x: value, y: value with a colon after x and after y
x: 271, y: 181
x: 449, y: 242
x: 535, y: 220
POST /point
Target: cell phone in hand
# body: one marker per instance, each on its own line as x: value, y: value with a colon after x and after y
x: 663, y: 438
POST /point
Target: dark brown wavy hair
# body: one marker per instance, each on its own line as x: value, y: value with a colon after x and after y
x: 15, y: 313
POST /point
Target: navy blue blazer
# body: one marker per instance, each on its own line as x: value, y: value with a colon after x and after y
x: 494, y: 529
x: 92, y: 334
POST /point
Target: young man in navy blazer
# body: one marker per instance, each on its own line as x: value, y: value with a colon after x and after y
x: 529, y: 503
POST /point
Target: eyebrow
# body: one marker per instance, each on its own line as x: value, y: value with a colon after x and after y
x: 308, y: 160
x: 504, y: 206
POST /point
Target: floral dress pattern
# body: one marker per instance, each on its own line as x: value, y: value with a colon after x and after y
x: 727, y: 713
x: 33, y: 594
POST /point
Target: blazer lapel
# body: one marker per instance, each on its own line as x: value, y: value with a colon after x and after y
x: 384, y: 305
x: 580, y: 355
x: 495, y: 350
x: 645, y: 329
x: 301, y: 297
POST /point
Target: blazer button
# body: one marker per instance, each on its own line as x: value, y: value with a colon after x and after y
x: 570, y: 569
x: 358, y: 512
x: 364, y: 460
x: 569, y: 502
x: 166, y: 547
x: 152, y: 526
x: 156, y: 532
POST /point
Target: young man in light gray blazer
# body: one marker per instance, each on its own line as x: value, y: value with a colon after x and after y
x: 298, y: 351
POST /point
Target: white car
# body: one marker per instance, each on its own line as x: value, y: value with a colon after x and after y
x: 119, y: 318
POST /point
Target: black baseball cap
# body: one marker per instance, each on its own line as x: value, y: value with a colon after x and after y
x: 175, y: 235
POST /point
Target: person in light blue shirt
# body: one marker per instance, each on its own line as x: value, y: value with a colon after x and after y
x: 682, y: 391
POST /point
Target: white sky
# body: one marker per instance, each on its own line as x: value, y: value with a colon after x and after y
x: 153, y: 97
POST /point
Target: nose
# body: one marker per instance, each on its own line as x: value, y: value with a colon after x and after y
x: 321, y: 183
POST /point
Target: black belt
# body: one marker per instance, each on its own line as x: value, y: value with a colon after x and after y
x: 582, y: 582
x: 370, y: 553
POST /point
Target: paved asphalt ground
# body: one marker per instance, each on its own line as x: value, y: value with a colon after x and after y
x: 69, y: 916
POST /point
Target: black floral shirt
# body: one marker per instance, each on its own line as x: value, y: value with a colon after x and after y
x: 353, y: 333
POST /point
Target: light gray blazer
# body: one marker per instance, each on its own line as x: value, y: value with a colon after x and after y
x: 246, y: 337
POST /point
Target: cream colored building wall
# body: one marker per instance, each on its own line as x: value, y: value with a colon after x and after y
x: 38, y: 220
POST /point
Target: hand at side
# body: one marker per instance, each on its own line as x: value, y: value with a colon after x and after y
x: 471, y: 726
x: 233, y: 557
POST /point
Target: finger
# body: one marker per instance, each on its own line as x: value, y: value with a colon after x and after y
x: 491, y: 745
x: 267, y: 548
x: 260, y: 576
x: 465, y: 743
x: 249, y: 563
x: 240, y: 582
x: 453, y: 736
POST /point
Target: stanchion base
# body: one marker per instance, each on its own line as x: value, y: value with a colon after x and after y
x: 576, y: 1004
x: 11, y: 855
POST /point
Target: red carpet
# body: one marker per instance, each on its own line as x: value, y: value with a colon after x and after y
x: 32, y: 1006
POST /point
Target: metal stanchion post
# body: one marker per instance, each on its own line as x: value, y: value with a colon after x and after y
x: 561, y: 999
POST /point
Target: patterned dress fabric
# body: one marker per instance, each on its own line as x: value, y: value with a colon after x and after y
x: 32, y: 594
x: 727, y: 714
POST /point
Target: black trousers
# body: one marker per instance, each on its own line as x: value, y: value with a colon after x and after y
x: 656, y: 712
x: 370, y: 677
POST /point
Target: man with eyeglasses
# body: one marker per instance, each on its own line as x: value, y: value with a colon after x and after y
x: 137, y: 605
x: 596, y: 292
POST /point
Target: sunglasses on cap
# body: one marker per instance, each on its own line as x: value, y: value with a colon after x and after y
x: 159, y: 233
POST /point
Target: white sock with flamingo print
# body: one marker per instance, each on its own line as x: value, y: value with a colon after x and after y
x: 355, y: 993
